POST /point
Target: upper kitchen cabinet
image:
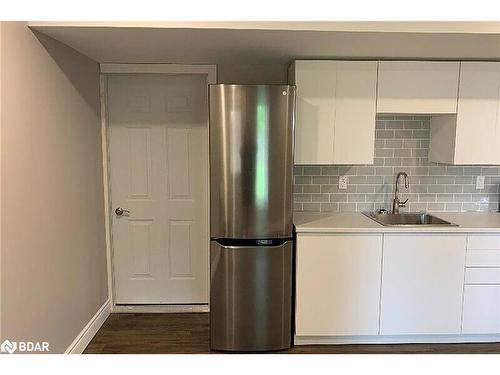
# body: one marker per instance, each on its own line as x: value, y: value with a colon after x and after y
x: 315, y: 82
x: 417, y: 87
x: 336, y: 107
x: 473, y: 135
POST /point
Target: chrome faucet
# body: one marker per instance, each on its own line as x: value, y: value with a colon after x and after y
x: 396, y: 203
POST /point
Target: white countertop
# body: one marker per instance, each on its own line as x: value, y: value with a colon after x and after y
x: 357, y: 222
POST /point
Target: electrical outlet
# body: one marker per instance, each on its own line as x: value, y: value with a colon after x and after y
x: 479, y: 182
x: 343, y: 181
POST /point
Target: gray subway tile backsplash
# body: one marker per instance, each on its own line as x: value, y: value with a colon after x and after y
x: 401, y: 144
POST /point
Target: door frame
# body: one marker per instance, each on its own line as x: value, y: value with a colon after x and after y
x: 210, y: 72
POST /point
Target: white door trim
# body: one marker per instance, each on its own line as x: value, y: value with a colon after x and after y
x: 210, y: 71
x: 106, y: 186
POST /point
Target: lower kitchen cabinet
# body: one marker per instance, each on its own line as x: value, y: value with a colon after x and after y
x: 338, y: 284
x: 422, y: 284
x: 481, y: 309
x: 355, y: 287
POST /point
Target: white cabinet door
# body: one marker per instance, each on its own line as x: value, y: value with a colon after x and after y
x: 481, y: 309
x: 336, y: 103
x: 477, y: 131
x: 315, y: 81
x: 355, y: 111
x: 338, y: 284
x: 417, y: 87
x: 422, y: 283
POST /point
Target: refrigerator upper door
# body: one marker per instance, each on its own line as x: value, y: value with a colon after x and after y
x: 251, y: 160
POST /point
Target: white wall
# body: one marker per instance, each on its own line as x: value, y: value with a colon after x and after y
x: 53, y: 268
x: 252, y: 73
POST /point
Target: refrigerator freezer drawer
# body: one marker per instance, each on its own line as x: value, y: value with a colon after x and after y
x: 250, y: 299
x: 251, y: 160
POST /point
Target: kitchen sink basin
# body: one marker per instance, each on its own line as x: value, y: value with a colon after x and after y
x: 407, y: 219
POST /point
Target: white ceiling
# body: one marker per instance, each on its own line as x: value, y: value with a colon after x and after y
x: 276, y: 42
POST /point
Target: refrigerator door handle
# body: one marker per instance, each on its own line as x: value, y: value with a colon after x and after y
x: 229, y: 243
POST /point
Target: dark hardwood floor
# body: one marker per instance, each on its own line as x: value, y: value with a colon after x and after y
x: 188, y: 333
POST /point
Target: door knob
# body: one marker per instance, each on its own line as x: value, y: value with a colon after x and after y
x: 120, y: 211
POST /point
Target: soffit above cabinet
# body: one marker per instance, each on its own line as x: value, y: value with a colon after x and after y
x: 280, y: 42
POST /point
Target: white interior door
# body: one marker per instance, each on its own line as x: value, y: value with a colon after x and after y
x: 158, y: 150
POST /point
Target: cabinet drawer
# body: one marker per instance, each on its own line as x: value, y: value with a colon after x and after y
x: 481, y: 309
x: 483, y: 258
x: 483, y: 242
x: 482, y: 275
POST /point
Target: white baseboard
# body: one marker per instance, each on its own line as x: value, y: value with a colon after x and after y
x: 403, y: 339
x: 161, y: 309
x: 88, y: 332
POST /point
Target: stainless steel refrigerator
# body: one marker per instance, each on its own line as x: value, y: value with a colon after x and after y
x: 251, y: 162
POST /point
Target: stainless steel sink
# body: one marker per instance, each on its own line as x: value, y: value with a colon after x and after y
x: 407, y: 219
